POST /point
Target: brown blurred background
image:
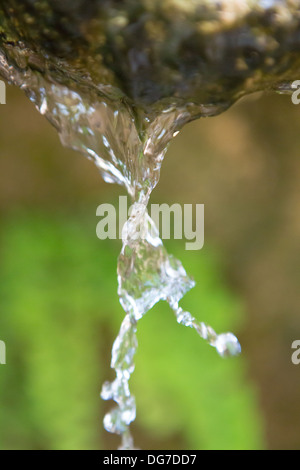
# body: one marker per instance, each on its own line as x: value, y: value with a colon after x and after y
x: 244, y: 166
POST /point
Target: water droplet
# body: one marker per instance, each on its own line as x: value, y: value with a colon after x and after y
x: 227, y: 345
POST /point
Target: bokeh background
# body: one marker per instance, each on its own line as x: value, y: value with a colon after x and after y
x: 59, y: 310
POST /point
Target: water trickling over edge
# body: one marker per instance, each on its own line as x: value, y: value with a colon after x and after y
x: 131, y: 155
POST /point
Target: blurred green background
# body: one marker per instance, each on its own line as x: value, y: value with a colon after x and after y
x: 58, y: 288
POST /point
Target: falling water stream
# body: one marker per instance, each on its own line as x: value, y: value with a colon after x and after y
x: 128, y: 147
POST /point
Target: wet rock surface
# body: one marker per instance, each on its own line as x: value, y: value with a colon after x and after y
x: 157, y: 54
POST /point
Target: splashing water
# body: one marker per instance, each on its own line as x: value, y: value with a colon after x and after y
x: 128, y: 148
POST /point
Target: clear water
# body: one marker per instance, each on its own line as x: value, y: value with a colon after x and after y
x: 128, y: 149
